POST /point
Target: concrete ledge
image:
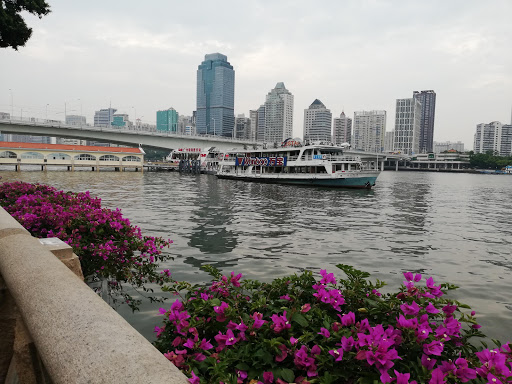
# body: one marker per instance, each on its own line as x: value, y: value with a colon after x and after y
x: 79, y: 337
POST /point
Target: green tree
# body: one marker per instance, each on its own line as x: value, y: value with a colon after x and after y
x: 14, y: 32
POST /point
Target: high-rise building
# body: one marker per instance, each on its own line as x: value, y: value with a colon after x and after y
x: 75, y: 120
x: 493, y: 137
x: 428, y: 112
x: 342, y: 129
x: 389, y: 140
x: 253, y: 115
x: 243, y: 127
x: 104, y: 117
x: 186, y: 125
x: 215, y: 96
x: 369, y: 128
x: 317, y: 122
x: 278, y: 115
x: 440, y: 147
x: 260, y: 126
x: 121, y: 120
x: 167, y: 120
x: 407, y: 126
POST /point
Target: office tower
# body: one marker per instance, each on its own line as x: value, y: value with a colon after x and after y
x: 243, y: 127
x: 215, y: 96
x: 278, y: 115
x: 494, y: 137
x: 428, y: 112
x: 389, y: 140
x: 407, y: 126
x: 440, y: 147
x: 260, y: 126
x: 104, y: 117
x: 369, y: 128
x: 317, y: 122
x: 75, y: 120
x: 167, y: 120
x: 121, y: 120
x: 342, y: 129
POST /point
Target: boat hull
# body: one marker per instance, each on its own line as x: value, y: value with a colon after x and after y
x: 360, y: 182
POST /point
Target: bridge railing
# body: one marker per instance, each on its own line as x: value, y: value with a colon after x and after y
x: 64, y: 332
x: 15, y: 120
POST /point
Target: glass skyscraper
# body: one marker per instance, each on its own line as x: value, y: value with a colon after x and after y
x: 428, y: 112
x: 215, y: 96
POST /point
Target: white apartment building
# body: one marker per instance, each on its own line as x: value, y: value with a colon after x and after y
x: 75, y: 120
x: 104, y: 117
x: 253, y: 115
x: 494, y: 137
x: 278, y: 115
x: 342, y: 132
x: 440, y: 147
x: 369, y: 128
x: 243, y: 127
x: 389, y: 140
x: 317, y: 122
x: 407, y: 126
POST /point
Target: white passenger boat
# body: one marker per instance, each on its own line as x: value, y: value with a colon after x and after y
x: 316, y: 164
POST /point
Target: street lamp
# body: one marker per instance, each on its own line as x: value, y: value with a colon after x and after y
x: 12, y: 104
x: 214, y: 134
x: 135, y: 118
x: 140, y: 127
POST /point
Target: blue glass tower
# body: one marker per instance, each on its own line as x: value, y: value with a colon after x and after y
x: 215, y: 96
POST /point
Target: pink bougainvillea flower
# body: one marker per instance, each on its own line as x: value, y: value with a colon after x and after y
x: 403, y: 378
x: 194, y: 379
x: 410, y: 277
x: 293, y: 340
x: 412, y: 309
x: 428, y: 362
x: 431, y: 309
x: 258, y: 320
x: 324, y: 332
x: 337, y: 354
x: 205, y: 345
x: 280, y: 323
x: 283, y: 353
x: 285, y: 297
x: 268, y: 377
x: 437, y: 377
x: 348, y: 319
x: 305, y: 308
x: 433, y: 348
x: 327, y: 278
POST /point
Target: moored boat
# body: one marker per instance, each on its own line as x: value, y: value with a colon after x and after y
x: 316, y: 164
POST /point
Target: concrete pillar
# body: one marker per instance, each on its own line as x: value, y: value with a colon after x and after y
x: 396, y: 165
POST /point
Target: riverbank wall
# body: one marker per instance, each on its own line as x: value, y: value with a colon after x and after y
x: 55, y: 329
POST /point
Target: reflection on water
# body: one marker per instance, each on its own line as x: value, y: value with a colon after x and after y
x: 456, y: 228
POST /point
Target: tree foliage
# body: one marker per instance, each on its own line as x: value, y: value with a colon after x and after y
x: 14, y: 32
x: 489, y: 160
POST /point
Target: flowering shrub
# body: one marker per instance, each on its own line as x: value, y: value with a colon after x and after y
x: 300, y: 330
x: 109, y: 247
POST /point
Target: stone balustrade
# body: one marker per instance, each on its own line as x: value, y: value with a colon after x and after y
x: 55, y: 329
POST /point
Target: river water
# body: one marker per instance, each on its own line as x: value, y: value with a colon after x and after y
x: 454, y: 227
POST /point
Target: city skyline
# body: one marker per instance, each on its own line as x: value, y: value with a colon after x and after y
x: 364, y: 62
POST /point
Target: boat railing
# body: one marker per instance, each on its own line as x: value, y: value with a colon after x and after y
x: 327, y: 157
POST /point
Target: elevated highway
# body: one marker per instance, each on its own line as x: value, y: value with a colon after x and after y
x: 167, y: 140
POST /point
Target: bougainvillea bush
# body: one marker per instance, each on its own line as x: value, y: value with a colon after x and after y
x: 299, y: 329
x: 109, y: 247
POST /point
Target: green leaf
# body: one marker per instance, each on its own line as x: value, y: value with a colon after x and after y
x: 215, y: 302
x: 287, y: 375
x: 242, y: 367
x: 299, y: 319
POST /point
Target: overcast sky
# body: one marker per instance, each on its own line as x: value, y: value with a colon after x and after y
x: 352, y: 55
